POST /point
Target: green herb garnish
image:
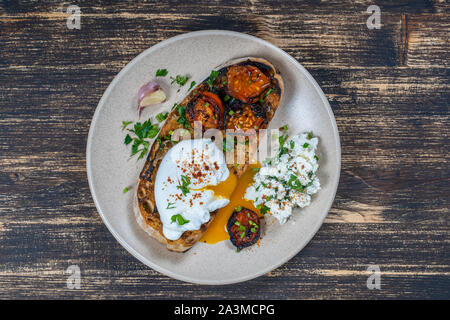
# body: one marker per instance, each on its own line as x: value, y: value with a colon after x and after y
x: 180, y: 80
x: 306, y: 145
x: 238, y: 209
x: 295, y: 183
x: 162, y: 116
x: 145, y: 130
x: 292, y: 144
x: 226, y: 98
x: 264, y: 209
x: 266, y: 94
x: 316, y: 157
x: 182, y: 119
x: 170, y: 205
x: 193, y: 83
x: 185, y: 182
x: 310, y: 136
x: 254, y: 226
x: 178, y: 218
x: 212, y: 78
x: 128, y: 139
x: 126, y: 189
x: 125, y: 124
x: 161, y: 72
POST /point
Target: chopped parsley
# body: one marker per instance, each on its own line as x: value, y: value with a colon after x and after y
x: 316, y: 157
x: 266, y: 94
x: 264, y: 209
x: 170, y: 205
x: 128, y: 139
x: 126, y: 189
x: 254, y: 226
x: 282, y: 139
x: 185, y: 182
x: 178, y: 218
x: 193, y: 83
x: 125, y: 124
x: 238, y: 209
x: 212, y: 78
x: 226, y: 98
x: 231, y: 112
x: 295, y: 183
x: 182, y: 119
x: 161, y: 72
x: 306, y: 145
x: 292, y: 144
x: 310, y: 136
x: 162, y: 116
x: 145, y: 130
x: 180, y: 80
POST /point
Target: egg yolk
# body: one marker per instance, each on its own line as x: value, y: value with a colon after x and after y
x: 233, y: 189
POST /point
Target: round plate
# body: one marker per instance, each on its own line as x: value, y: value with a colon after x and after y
x: 110, y: 168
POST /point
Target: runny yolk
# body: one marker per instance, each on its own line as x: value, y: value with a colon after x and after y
x: 217, y: 231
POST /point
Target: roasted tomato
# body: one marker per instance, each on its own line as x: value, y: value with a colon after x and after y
x: 243, y: 228
x: 207, y: 108
x: 246, y: 83
x: 245, y: 118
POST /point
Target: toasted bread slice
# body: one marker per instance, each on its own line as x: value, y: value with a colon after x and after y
x: 146, y: 212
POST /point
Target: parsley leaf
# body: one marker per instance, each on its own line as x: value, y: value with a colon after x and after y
x: 266, y: 94
x: 182, y: 119
x: 161, y: 72
x: 162, y: 116
x: 128, y: 139
x: 170, y: 205
x: 126, y: 189
x: 185, y: 182
x: 125, y: 124
x: 295, y: 183
x: 178, y: 218
x: 180, y: 80
x: 212, y: 78
x: 193, y: 83
x: 264, y: 209
x: 142, y: 131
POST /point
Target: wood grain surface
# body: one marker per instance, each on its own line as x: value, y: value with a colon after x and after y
x: 389, y: 89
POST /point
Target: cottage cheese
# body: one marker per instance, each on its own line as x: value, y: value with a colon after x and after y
x: 288, y: 180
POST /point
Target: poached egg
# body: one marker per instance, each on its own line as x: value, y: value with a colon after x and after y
x: 192, y: 181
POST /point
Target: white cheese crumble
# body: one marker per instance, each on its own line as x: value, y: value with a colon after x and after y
x: 288, y: 180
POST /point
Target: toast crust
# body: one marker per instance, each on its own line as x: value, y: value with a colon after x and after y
x: 145, y: 210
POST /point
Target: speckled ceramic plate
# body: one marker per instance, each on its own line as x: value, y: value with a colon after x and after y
x: 110, y: 169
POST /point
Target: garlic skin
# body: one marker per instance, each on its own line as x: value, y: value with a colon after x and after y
x: 150, y: 94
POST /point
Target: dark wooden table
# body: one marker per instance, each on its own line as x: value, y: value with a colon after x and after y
x: 389, y: 90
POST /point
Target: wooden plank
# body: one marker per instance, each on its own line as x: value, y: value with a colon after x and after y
x: 110, y: 38
x: 389, y: 91
x: 333, y: 265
